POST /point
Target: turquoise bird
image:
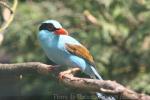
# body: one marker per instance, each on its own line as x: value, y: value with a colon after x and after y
x: 66, y: 51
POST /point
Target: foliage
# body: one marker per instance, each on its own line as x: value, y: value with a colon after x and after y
x: 119, y: 43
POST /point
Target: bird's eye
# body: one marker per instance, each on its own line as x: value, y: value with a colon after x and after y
x: 47, y: 26
x: 50, y: 27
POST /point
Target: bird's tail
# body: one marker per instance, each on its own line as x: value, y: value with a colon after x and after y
x: 101, y: 95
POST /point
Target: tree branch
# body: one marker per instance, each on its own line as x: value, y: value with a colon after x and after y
x: 6, y: 6
x: 11, y: 17
x: 67, y: 77
x: 12, y: 10
x: 103, y: 86
x: 28, y: 67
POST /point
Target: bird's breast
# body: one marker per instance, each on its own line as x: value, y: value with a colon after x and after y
x: 55, y: 52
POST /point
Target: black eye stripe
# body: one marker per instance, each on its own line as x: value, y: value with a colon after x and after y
x: 47, y: 26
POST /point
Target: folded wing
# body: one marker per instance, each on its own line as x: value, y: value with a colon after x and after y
x: 80, y: 51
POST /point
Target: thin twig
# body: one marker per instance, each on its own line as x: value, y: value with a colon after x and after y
x: 6, y: 6
x: 12, y: 10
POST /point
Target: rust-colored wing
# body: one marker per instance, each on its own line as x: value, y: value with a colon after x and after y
x: 81, y: 51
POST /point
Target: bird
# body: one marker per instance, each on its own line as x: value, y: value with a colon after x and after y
x: 65, y: 50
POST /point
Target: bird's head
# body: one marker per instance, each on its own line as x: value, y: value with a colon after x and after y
x: 53, y: 26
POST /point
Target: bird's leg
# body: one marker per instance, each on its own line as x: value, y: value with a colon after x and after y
x: 51, y: 68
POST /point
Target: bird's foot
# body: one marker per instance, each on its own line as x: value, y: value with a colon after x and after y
x: 61, y: 75
x: 69, y: 72
x: 54, y: 67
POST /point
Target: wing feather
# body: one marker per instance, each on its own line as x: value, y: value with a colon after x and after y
x: 80, y: 51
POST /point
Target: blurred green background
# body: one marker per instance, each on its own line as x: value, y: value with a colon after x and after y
x: 116, y: 32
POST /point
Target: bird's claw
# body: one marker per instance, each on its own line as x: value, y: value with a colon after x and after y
x: 51, y: 68
x: 61, y: 75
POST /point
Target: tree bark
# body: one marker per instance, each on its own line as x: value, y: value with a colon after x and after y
x: 28, y: 67
x: 67, y: 77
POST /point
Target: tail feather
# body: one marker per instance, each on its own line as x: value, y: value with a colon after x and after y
x: 96, y: 73
x: 104, y: 97
x: 101, y: 95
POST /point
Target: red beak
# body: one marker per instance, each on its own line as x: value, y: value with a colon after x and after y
x: 61, y: 31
